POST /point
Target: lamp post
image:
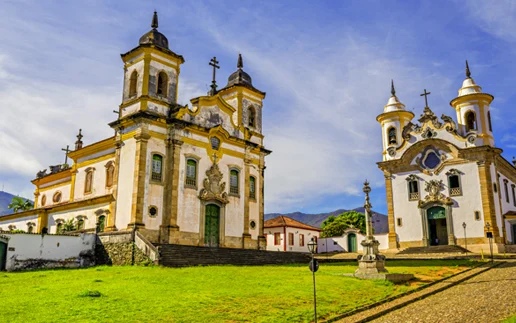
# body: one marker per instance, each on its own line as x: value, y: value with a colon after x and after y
x: 465, y: 238
x: 489, y: 235
x: 314, y: 265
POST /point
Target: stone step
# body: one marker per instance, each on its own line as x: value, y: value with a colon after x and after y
x: 433, y: 250
x: 180, y: 255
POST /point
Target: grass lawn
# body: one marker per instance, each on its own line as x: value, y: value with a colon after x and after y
x: 200, y: 294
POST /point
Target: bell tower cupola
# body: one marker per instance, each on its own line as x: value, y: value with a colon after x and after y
x: 393, y: 119
x: 151, y: 75
x: 473, y: 111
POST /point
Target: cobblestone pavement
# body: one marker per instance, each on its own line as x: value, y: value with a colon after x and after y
x: 486, y: 297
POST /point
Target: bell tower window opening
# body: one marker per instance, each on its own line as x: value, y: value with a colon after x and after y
x: 391, y: 135
x: 489, y: 121
x: 191, y: 173
x: 251, y: 117
x: 413, y: 188
x: 157, y: 167
x: 133, y: 81
x: 471, y: 122
x: 233, y: 182
x: 162, y: 84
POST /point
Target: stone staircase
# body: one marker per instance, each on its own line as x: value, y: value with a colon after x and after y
x: 444, y: 249
x: 172, y: 255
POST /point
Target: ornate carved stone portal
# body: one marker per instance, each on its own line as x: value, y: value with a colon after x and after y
x: 213, y: 189
x: 434, y: 188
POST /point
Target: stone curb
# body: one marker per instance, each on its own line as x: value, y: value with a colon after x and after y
x: 380, y: 313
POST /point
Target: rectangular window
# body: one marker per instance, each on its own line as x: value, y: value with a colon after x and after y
x: 513, y: 195
x: 157, y: 165
x: 252, y: 187
x: 290, y: 239
x: 233, y: 182
x: 477, y: 215
x: 506, y: 190
x: 277, y: 239
x: 191, y: 173
x: 399, y: 222
x: 413, y: 190
x: 301, y: 240
x: 454, y: 184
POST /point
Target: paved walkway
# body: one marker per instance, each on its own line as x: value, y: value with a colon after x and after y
x: 478, y: 295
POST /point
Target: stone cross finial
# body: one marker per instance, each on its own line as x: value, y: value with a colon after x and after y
x: 214, y: 63
x: 425, y: 94
x: 78, y: 143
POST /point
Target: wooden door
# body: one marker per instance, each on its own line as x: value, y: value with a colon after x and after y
x: 352, y: 242
x: 212, y: 226
x: 3, y: 255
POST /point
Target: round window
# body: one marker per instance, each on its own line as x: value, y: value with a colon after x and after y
x: 57, y: 197
x: 253, y: 224
x: 153, y: 211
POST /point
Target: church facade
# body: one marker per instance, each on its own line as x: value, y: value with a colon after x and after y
x: 446, y: 181
x: 189, y: 174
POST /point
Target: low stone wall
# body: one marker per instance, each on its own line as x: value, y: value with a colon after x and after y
x: 117, y: 248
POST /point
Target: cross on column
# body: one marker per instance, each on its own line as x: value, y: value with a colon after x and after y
x: 214, y: 63
x: 425, y: 94
x: 67, y: 150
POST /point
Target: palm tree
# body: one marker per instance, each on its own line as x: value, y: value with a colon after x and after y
x: 19, y: 204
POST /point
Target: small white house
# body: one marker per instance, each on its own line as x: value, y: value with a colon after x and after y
x: 286, y: 234
x: 349, y: 242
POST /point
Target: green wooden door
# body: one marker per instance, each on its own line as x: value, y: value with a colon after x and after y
x: 352, y: 242
x: 211, y: 227
x: 3, y: 255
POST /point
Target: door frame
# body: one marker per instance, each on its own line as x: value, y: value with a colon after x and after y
x: 425, y: 227
x: 222, y: 222
x: 4, y: 240
x: 351, y: 236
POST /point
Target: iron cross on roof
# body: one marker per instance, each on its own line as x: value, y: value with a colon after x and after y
x: 425, y: 94
x: 67, y: 150
x: 214, y: 63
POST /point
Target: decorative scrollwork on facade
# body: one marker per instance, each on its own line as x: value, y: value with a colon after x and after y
x: 449, y: 124
x: 429, y: 116
x: 213, y: 189
x: 434, y: 188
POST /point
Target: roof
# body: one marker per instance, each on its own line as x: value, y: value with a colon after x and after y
x: 285, y: 221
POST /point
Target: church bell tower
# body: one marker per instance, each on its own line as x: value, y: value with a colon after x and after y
x: 151, y: 74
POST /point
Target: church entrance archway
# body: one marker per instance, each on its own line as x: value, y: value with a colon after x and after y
x: 437, y: 227
x: 212, y: 225
x: 3, y: 255
x: 352, y: 242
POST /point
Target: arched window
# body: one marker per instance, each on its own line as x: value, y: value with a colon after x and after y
x: 30, y: 227
x: 110, y: 171
x: 489, y: 120
x: 101, y: 223
x: 391, y: 135
x: 88, y: 182
x: 252, y: 187
x: 471, y: 122
x: 251, y: 117
x: 162, y: 84
x: 43, y: 200
x: 157, y: 167
x: 133, y: 81
x: 80, y: 224
x: 413, y: 188
x: 233, y: 182
x: 191, y: 173
x: 59, y: 228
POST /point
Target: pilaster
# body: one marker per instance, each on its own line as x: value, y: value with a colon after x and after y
x: 111, y: 223
x: 140, y: 166
x: 42, y: 220
x: 262, y: 241
x: 486, y: 192
x: 390, y: 211
x: 174, y: 196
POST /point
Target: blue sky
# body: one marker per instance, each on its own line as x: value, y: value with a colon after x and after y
x: 326, y: 67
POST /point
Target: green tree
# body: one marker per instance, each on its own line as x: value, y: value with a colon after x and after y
x: 69, y: 225
x: 336, y: 225
x: 19, y: 204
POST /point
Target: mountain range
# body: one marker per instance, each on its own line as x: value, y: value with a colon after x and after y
x: 379, y: 220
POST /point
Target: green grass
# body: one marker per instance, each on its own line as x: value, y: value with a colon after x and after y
x: 198, y: 294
